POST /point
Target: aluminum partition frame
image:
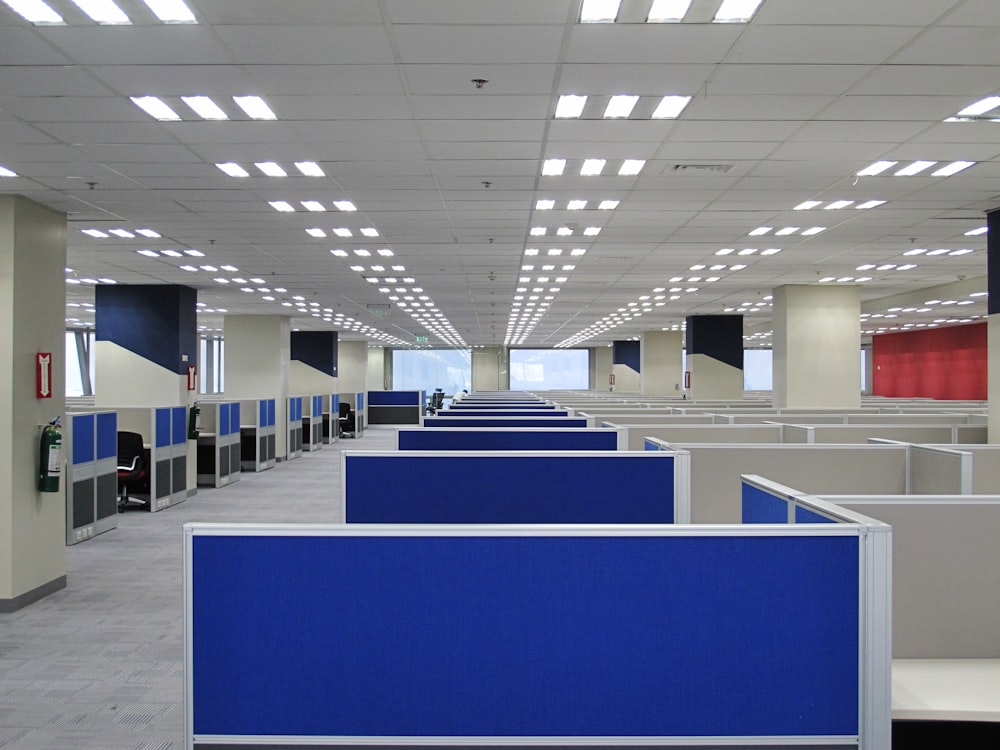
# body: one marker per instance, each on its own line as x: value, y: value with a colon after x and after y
x: 875, y: 635
x: 965, y: 465
x: 874, y: 705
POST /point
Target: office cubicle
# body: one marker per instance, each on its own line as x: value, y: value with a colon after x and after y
x: 312, y: 423
x: 395, y: 407
x: 357, y: 401
x: 165, y: 435
x: 293, y: 412
x: 330, y: 417
x: 257, y: 434
x: 219, y: 446
x: 90, y: 446
x: 507, y: 438
x: 557, y: 635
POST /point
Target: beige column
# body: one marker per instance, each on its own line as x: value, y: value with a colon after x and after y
x: 817, y: 347
x: 662, y: 363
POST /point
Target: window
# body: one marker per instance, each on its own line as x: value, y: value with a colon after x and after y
x: 549, y: 369
x: 427, y: 369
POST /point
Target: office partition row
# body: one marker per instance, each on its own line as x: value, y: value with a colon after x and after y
x: 312, y: 423
x: 165, y: 435
x: 293, y: 446
x: 395, y: 407
x: 257, y: 434
x: 90, y: 442
x: 507, y: 438
x: 219, y: 446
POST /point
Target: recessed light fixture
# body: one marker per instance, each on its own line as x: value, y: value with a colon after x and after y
x: 210, y: 269
x: 255, y: 107
x: 564, y: 232
x: 544, y: 204
x: 836, y: 205
x: 537, y: 231
x: 205, y: 107
x: 232, y: 169
x: 806, y: 205
x: 148, y: 253
x: 171, y: 253
x: 876, y: 168
x: 976, y: 232
x: 148, y: 233
x: 631, y: 167
x: 316, y: 232
x: 760, y: 231
x: 771, y: 251
x: 171, y: 11
x: 670, y: 107
x: 667, y: 11
x: 592, y: 231
x: 784, y: 231
x: 103, y: 12
x: 343, y: 232
x: 592, y: 167
x: 736, y: 11
x: 954, y: 168
x: 4, y: 172
x: 310, y: 169
x: 867, y: 204
x: 283, y: 206
x: 369, y: 231
x: 271, y: 169
x: 963, y: 251
x: 96, y: 233
x: 577, y: 251
x: 313, y: 205
x: 813, y: 230
x: 979, y: 108
x: 553, y: 167
x: 599, y: 11
x: 939, y: 251
x: 914, y: 168
x: 34, y: 11
x: 620, y: 105
x: 123, y: 233
x: 576, y: 205
x: 156, y: 108
x: 608, y: 205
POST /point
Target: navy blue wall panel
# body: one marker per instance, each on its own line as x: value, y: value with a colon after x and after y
x: 536, y: 421
x: 525, y: 636
x: 513, y: 440
x: 155, y: 321
x: 318, y: 349
x: 717, y: 336
x: 627, y: 353
x: 491, y: 412
x: 760, y: 506
x: 509, y: 489
x: 993, y: 262
x: 394, y: 398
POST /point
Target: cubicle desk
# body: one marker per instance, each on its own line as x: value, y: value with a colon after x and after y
x: 330, y: 415
x: 312, y: 423
x: 395, y: 407
x: 257, y: 439
x: 90, y: 444
x: 165, y: 431
x: 357, y: 401
x: 219, y: 460
x: 946, y: 690
x: 293, y: 414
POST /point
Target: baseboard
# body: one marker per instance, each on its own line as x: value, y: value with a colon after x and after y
x: 30, y: 597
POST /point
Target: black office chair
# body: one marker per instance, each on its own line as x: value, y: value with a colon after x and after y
x: 133, y: 471
x: 348, y: 426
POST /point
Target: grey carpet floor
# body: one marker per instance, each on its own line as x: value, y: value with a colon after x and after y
x: 99, y: 664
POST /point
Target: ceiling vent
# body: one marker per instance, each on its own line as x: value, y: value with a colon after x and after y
x: 703, y: 168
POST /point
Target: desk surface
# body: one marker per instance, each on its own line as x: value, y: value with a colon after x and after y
x: 946, y: 689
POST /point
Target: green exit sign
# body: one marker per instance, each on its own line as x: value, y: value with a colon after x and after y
x: 422, y: 339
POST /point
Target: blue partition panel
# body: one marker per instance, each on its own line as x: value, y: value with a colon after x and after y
x: 760, y: 506
x: 523, y: 636
x: 804, y: 515
x: 179, y: 417
x: 270, y: 413
x: 317, y: 409
x: 84, y: 449
x: 488, y: 440
x: 107, y: 435
x: 223, y: 426
x: 360, y: 402
x: 162, y: 428
x: 234, y: 417
x: 335, y: 403
x: 504, y: 422
x: 491, y: 412
x: 262, y: 416
x: 394, y: 398
x: 623, y: 488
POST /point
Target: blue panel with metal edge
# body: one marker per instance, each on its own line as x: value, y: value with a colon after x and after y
x: 480, y: 440
x: 234, y: 417
x: 394, y: 398
x: 179, y: 416
x: 760, y: 506
x: 513, y: 488
x: 262, y: 411
x: 805, y: 515
x: 505, y: 413
x: 84, y: 449
x: 335, y: 403
x: 107, y: 435
x: 525, y: 636
x: 162, y: 427
x: 361, y: 402
x: 440, y: 421
x: 223, y: 426
x: 271, y: 412
x: 650, y: 446
x: 317, y: 405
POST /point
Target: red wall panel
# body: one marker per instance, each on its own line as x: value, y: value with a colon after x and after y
x: 944, y: 363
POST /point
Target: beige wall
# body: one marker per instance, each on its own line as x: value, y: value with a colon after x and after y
x: 379, y: 377
x: 32, y: 320
x: 352, y: 366
x: 661, y: 357
x: 600, y: 367
x: 489, y: 369
x: 123, y: 378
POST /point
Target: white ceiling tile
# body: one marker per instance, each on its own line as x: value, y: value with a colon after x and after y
x: 840, y: 45
x: 474, y: 45
x: 141, y: 45
x: 307, y: 44
x: 461, y: 12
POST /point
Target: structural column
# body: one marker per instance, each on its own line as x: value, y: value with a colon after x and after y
x: 715, y: 357
x: 993, y: 323
x: 490, y: 369
x: 817, y: 347
x: 258, y: 352
x: 661, y: 363
x: 626, y: 365
x: 32, y: 322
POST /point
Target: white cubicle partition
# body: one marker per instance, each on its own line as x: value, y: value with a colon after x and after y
x: 90, y: 446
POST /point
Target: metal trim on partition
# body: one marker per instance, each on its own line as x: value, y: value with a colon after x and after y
x: 875, y: 639
x: 682, y: 486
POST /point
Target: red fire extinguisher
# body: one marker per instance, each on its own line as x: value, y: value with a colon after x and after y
x: 50, y: 457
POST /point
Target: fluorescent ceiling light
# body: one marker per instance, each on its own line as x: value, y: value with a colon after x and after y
x: 343, y: 232
x: 963, y: 251
x: 599, y: 11
x: 544, y: 205
x: 339, y: 253
x: 725, y: 251
x: 171, y: 11
x: 310, y: 169
x: 916, y: 251
x: 670, y: 107
x: 877, y: 168
x: 369, y: 231
x: 172, y: 253
x: 771, y: 251
x: 103, y: 11
x: 148, y: 253
x: 906, y: 267
x: 954, y: 168
x: 270, y: 168
x: 865, y: 267
x: 232, y: 169
x: 785, y: 231
x: 631, y: 167
x: 34, y: 11
x: 620, y: 105
x: 316, y: 232
x: 537, y: 231
x: 553, y: 167
x: 578, y: 251
x: 255, y: 107
x: 667, y: 11
x: 978, y: 108
x: 835, y: 205
x: 813, y: 230
x: 570, y: 105
x: 747, y: 251
x: 148, y: 233
x: 939, y: 251
x: 531, y: 251
x: 4, y: 172
x: 736, y: 11
x: 284, y: 206
x: 564, y: 232
x: 976, y: 232
x: 576, y: 205
x: 608, y: 205
x: 313, y: 206
x: 123, y: 233
x: 868, y: 204
x: 97, y: 233
x: 886, y: 267
x: 806, y: 205
x: 555, y: 251
x: 194, y: 253
x: 915, y: 168
x: 209, y: 268
x: 760, y: 231
x: 592, y: 167
x: 205, y: 107
x: 592, y: 231
x: 155, y: 107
